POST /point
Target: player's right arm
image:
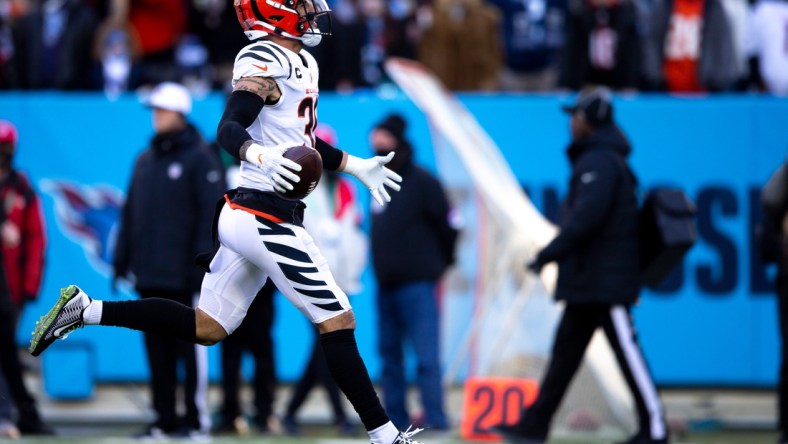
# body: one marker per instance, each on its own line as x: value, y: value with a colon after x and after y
x: 243, y: 106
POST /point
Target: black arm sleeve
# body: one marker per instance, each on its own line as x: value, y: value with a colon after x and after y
x: 332, y: 156
x: 240, y: 111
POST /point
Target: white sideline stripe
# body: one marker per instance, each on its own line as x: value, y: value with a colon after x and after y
x: 637, y: 365
x: 201, y: 390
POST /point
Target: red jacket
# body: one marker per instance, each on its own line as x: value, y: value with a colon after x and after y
x: 23, y: 237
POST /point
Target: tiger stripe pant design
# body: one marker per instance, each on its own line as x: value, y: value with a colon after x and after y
x: 253, y: 249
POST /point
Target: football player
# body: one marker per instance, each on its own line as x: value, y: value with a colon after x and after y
x: 258, y: 233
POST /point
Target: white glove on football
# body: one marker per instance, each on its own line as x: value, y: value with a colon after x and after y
x: 373, y: 173
x: 274, y: 165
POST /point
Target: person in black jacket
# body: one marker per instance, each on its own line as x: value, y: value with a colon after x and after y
x: 413, y: 243
x: 602, y: 45
x: 165, y: 223
x: 598, y: 272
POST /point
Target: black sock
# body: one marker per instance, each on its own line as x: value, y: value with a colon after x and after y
x: 351, y: 376
x: 152, y: 315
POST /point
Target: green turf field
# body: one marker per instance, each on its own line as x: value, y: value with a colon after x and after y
x: 120, y: 436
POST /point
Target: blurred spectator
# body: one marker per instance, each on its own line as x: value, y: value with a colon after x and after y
x: 192, y: 64
x: 413, y: 244
x: 737, y: 12
x: 164, y: 225
x: 462, y: 45
x: 215, y: 23
x: 533, y: 37
x: 115, y: 53
x: 23, y: 240
x: 766, y: 41
x: 22, y: 229
x: 389, y: 34
x: 154, y: 29
x: 10, y: 11
x: 689, y: 47
x: 602, y: 45
x: 773, y: 246
x: 253, y: 335
x: 364, y: 34
x: 51, y: 47
x: 23, y: 246
x: 332, y: 217
x: 340, y: 56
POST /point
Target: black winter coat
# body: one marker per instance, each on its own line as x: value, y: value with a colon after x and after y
x: 66, y: 66
x: 597, y: 247
x: 166, y: 220
x: 412, y: 239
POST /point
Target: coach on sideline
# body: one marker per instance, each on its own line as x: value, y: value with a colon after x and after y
x: 598, y: 272
x: 165, y: 223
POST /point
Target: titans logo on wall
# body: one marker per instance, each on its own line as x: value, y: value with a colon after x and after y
x: 88, y: 215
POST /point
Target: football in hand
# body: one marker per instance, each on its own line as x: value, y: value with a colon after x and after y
x: 311, y: 169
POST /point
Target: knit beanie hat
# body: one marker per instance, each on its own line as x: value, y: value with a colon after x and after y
x: 394, y: 124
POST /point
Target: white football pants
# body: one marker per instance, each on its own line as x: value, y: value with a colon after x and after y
x: 252, y: 249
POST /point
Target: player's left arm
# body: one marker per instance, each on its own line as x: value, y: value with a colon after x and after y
x: 371, y: 172
x: 333, y: 157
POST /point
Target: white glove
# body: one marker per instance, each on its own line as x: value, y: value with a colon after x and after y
x: 275, y: 166
x: 373, y: 173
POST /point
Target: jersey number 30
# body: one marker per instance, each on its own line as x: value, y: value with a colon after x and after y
x: 306, y: 109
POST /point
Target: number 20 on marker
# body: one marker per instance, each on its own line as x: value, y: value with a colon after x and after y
x: 491, y: 401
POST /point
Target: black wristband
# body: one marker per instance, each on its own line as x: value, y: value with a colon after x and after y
x: 332, y: 157
x: 244, y: 147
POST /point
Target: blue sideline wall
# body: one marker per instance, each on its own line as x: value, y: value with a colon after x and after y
x: 714, y: 324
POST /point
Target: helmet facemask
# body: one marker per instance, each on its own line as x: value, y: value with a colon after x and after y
x: 315, y: 19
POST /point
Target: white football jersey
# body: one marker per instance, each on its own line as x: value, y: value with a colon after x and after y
x: 291, y: 121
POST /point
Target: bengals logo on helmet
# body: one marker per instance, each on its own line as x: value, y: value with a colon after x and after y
x: 285, y: 18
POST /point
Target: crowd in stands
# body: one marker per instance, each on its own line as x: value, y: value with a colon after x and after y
x: 678, y: 46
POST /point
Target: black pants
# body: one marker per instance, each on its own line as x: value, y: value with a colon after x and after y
x: 254, y: 335
x: 316, y: 371
x: 12, y: 369
x: 164, y: 355
x: 577, y: 326
x: 782, y: 384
